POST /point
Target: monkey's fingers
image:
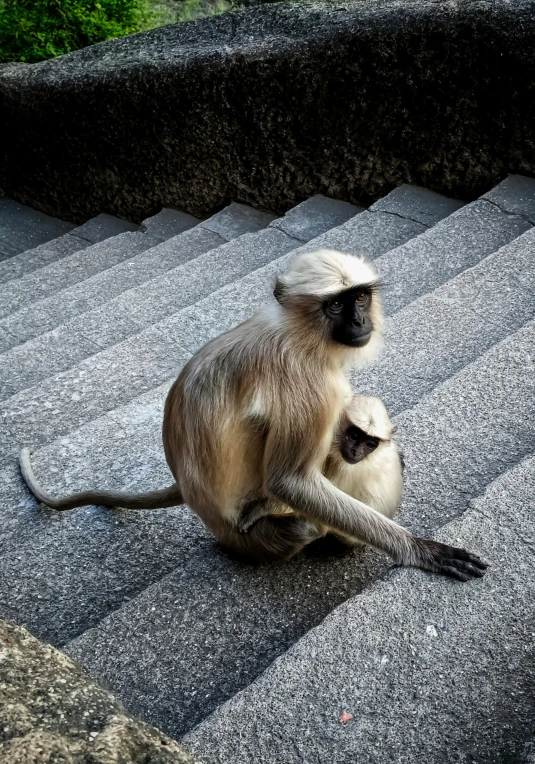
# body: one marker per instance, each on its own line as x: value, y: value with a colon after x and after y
x: 450, y: 561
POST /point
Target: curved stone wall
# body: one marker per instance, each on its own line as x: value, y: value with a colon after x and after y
x: 271, y: 105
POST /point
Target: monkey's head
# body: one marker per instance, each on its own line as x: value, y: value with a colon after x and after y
x: 365, y: 426
x: 334, y: 296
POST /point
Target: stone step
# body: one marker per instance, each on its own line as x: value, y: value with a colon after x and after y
x: 168, y: 223
x: 430, y: 669
x: 143, y: 306
x: 156, y: 359
x: 491, y: 300
x: 93, y: 279
x: 21, y: 299
x: 439, y: 333
x: 97, y: 229
x: 165, y: 653
x: 22, y: 228
x: 459, y: 241
x: 139, y: 307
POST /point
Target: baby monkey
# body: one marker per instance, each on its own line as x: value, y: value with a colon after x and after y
x: 363, y: 461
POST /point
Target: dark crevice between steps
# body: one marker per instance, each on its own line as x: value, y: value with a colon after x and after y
x: 520, y: 215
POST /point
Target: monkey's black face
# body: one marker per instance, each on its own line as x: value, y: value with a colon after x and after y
x: 356, y: 445
x: 349, y: 313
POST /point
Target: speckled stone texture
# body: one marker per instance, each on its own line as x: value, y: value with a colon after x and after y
x: 52, y: 713
x: 271, y: 105
x: 432, y: 671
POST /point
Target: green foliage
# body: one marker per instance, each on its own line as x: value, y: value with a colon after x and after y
x: 33, y: 30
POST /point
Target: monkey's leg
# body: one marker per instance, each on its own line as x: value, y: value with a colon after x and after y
x: 274, y: 539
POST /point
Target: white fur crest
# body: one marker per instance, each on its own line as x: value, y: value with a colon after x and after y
x: 325, y: 272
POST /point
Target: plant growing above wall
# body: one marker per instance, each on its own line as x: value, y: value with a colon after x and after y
x: 34, y: 30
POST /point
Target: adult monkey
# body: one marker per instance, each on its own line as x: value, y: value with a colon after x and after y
x: 255, y: 411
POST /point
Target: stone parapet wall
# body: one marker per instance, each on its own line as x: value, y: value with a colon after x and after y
x: 271, y: 105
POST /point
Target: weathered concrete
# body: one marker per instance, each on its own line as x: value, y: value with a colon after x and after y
x: 96, y: 275
x: 436, y: 335
x: 458, y: 242
x: 71, y: 270
x: 32, y: 259
x: 515, y: 194
x: 271, y: 105
x: 431, y: 670
x: 52, y: 712
x: 24, y: 228
x: 97, y: 229
x: 216, y: 263
x: 168, y: 223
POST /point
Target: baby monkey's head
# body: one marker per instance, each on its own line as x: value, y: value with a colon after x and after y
x: 365, y: 425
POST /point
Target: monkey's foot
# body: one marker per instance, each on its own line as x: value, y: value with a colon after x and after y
x: 448, y: 560
x: 251, y: 513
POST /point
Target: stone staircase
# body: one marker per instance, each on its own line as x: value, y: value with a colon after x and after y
x: 256, y: 665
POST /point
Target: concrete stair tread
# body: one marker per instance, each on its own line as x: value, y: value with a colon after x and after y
x: 154, y: 674
x: 25, y: 295
x: 115, y: 556
x: 222, y: 264
x: 23, y: 228
x: 168, y: 223
x: 56, y: 274
x: 46, y: 314
x: 458, y: 658
x: 97, y: 229
x: 137, y: 308
x: 516, y: 195
x: 96, y: 450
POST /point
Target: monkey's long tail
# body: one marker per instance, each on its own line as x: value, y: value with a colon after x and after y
x: 166, y: 497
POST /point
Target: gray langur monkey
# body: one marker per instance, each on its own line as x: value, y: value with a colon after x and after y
x: 363, y: 461
x: 254, y: 413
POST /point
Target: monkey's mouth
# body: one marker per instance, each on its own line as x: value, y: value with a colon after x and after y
x: 361, y: 340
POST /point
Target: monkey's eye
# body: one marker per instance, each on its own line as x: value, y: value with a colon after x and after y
x: 336, y: 306
x: 361, y: 297
x: 371, y: 445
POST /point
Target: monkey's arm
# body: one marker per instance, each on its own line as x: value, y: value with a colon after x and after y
x: 166, y: 497
x: 290, y: 479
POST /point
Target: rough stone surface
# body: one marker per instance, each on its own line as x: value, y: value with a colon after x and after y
x: 418, y: 204
x: 31, y: 259
x: 78, y: 267
x: 314, y: 216
x: 492, y: 399
x: 102, y: 227
x: 168, y: 223
x: 85, y: 391
x: 52, y: 713
x: 97, y: 229
x: 431, y: 670
x: 237, y: 219
x: 271, y: 105
x: 515, y: 194
x: 458, y: 242
x: 436, y: 335
x: 141, y: 260
x: 25, y: 228
x: 139, y: 307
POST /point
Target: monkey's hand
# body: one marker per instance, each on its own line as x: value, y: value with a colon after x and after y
x: 448, y: 560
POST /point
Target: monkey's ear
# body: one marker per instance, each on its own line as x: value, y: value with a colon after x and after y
x: 280, y: 291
